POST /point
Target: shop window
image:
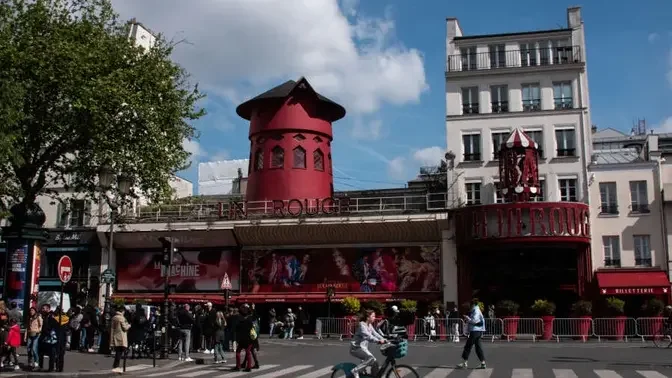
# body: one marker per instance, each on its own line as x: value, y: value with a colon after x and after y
x: 299, y: 158
x: 259, y: 160
x: 318, y: 160
x: 317, y: 139
x: 277, y: 157
x: 299, y: 137
x: 49, y: 264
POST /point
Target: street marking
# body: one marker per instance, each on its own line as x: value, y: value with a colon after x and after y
x: 607, y: 374
x: 439, y: 373
x: 137, y: 367
x: 481, y: 373
x: 319, y: 373
x: 241, y: 373
x: 171, y: 372
x: 522, y: 373
x: 650, y: 374
x: 282, y: 372
x: 196, y: 374
x: 564, y: 373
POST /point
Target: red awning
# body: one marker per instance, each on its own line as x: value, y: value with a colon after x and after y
x: 633, y: 282
x: 180, y: 298
x: 321, y: 297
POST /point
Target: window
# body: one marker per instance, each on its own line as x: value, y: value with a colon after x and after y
x: 639, y: 198
x: 80, y: 265
x: 497, y: 56
x: 277, y: 157
x: 74, y: 213
x: 499, y: 95
x: 329, y: 163
x: 537, y: 136
x: 318, y: 160
x: 567, y: 190
x: 299, y: 137
x: 259, y: 160
x: 473, y: 193
x: 468, y: 55
x: 499, y: 198
x: 470, y: 100
x: 608, y: 198
x: 540, y: 197
x: 531, y: 97
x: 565, y: 142
x: 562, y: 95
x: 472, y: 147
x: 497, y: 139
x: 317, y: 139
x: 299, y: 158
x: 612, y: 251
x: 276, y: 136
x: 261, y: 140
x: 528, y: 54
x: 642, y: 250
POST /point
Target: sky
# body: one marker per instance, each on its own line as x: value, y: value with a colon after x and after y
x: 385, y: 62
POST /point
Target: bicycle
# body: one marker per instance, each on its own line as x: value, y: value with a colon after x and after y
x: 663, y: 337
x: 390, y: 369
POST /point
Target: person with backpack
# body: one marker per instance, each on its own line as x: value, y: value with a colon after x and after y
x: 138, y: 330
x: 246, y: 333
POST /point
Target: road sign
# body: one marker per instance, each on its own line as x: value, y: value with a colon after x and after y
x: 226, y: 283
x: 65, y: 269
x: 108, y: 276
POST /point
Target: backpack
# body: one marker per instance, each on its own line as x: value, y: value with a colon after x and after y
x: 253, y: 333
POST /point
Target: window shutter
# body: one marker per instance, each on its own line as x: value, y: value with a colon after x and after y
x: 87, y: 213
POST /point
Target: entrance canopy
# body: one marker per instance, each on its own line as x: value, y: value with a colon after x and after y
x: 633, y: 282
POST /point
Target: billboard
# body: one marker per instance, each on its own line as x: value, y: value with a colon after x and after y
x: 15, y: 282
x: 192, y: 270
x: 356, y: 270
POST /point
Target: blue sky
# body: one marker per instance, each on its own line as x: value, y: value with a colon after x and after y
x: 629, y: 64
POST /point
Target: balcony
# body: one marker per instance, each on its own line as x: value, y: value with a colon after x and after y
x: 237, y: 210
x: 612, y: 263
x: 610, y: 209
x: 566, y: 152
x: 543, y: 57
x: 500, y: 107
x: 533, y: 105
x: 472, y: 156
x: 470, y: 108
x: 643, y: 262
x: 563, y: 103
x: 642, y: 208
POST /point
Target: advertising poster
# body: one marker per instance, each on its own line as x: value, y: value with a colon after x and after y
x: 355, y: 270
x: 35, y: 279
x: 16, y: 279
x: 192, y: 271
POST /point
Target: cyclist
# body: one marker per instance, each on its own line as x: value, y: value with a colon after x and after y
x: 359, y: 347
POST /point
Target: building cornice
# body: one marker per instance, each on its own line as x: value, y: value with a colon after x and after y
x: 622, y: 166
x: 475, y: 40
x: 461, y: 117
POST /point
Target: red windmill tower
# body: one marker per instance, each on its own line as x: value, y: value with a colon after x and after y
x: 519, y: 167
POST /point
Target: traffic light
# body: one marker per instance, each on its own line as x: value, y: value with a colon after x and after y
x: 331, y: 292
x: 168, y: 251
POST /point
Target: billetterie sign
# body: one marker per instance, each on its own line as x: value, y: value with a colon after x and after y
x: 290, y: 208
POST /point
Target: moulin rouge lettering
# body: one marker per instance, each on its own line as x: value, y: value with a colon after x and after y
x: 511, y: 222
x: 292, y: 208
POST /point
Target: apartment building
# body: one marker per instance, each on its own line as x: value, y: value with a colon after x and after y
x: 533, y: 80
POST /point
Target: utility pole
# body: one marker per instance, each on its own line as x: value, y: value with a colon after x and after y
x: 167, y: 262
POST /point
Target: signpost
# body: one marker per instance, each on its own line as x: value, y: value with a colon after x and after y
x: 226, y: 286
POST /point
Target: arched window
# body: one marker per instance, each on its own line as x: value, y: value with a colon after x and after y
x: 259, y: 160
x: 299, y: 158
x: 277, y: 157
x: 299, y: 137
x: 318, y: 160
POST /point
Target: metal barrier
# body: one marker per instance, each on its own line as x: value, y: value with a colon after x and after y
x: 512, y: 328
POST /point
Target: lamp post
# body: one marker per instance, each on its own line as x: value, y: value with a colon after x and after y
x: 106, y: 179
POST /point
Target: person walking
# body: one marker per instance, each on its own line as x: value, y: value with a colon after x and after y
x: 272, y: 320
x: 245, y: 336
x: 186, y: 321
x: 32, y: 336
x: 476, y: 326
x: 13, y: 343
x: 219, y: 329
x: 119, y: 337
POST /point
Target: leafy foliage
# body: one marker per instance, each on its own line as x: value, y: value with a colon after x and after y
x: 376, y: 306
x: 543, y: 307
x: 615, y: 306
x: 77, y: 94
x: 351, y: 305
x: 653, y: 307
x: 582, y: 308
x: 506, y: 308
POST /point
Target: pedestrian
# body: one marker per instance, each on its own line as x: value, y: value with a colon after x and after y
x: 138, y: 332
x: 62, y: 334
x: 48, y: 339
x: 290, y: 318
x: 185, y: 319
x: 476, y: 326
x: 303, y: 320
x: 33, y: 336
x: 13, y: 342
x: 209, y: 318
x: 219, y: 328
x: 365, y: 333
x: 272, y: 320
x: 245, y: 335
x: 14, y: 312
x: 119, y: 337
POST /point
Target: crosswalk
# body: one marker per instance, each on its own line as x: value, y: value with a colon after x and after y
x: 312, y: 371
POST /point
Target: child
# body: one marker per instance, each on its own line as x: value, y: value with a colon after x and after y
x: 13, y: 342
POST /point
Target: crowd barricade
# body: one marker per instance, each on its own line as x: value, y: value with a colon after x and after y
x: 514, y: 328
x: 619, y: 329
x: 334, y: 327
x: 444, y: 329
x: 574, y: 328
x: 647, y: 328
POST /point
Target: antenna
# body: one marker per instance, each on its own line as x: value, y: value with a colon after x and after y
x: 639, y: 127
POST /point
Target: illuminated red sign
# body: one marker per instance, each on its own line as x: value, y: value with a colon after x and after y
x: 634, y: 290
x: 290, y: 208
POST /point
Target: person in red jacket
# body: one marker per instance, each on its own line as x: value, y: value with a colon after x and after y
x: 13, y: 342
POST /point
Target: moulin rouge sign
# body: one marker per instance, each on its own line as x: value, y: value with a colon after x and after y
x: 290, y: 208
x: 524, y: 220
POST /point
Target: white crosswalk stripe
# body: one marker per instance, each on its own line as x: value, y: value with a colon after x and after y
x: 312, y: 371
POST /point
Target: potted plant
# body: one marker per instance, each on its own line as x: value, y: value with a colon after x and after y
x: 583, y: 310
x: 407, y: 310
x: 508, y: 311
x: 546, y: 310
x: 653, y: 321
x: 351, y: 306
x: 376, y: 306
x: 615, y: 308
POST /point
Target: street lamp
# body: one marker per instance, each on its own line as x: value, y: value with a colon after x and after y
x: 106, y: 178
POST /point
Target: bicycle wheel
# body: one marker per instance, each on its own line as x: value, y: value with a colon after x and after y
x: 399, y: 371
x: 662, y: 339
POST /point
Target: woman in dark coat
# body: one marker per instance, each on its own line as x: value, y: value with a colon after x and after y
x: 219, y: 329
x: 244, y: 340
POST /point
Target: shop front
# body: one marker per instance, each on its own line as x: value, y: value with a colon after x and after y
x: 634, y: 286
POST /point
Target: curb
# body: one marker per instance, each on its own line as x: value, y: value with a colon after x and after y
x: 98, y: 374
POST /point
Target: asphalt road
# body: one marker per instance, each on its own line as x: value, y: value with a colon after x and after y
x: 313, y: 359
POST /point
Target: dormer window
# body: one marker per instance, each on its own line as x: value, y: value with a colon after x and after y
x: 318, y: 160
x: 299, y: 158
x: 299, y: 138
x: 277, y: 157
x: 276, y: 137
x: 317, y: 139
x: 259, y: 160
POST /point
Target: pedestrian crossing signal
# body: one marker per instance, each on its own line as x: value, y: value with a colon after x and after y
x: 226, y: 283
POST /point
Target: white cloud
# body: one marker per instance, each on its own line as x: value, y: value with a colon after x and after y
x: 653, y: 37
x: 192, y: 146
x: 430, y: 156
x: 220, y: 155
x: 665, y: 126
x: 396, y: 168
x: 256, y: 44
x: 369, y: 130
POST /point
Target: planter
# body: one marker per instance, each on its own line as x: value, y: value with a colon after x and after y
x: 547, y: 332
x: 619, y: 327
x: 511, y: 326
x: 583, y: 327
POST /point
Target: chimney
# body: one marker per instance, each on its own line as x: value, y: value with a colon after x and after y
x: 574, y: 17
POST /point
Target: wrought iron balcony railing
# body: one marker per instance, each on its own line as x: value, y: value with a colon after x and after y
x: 613, y: 263
x: 294, y: 208
x: 640, y: 208
x: 493, y: 60
x: 645, y: 261
x: 609, y: 209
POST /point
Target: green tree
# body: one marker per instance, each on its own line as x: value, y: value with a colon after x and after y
x: 78, y: 94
